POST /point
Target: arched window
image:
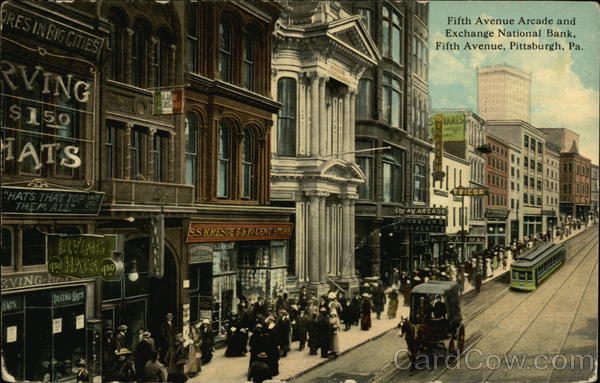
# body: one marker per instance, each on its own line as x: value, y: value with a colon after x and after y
x: 161, y: 56
x: 223, y: 160
x: 115, y: 45
x: 286, y: 122
x: 191, y: 148
x: 248, y: 61
x: 139, y: 53
x: 225, y: 50
x: 248, y: 165
x: 156, y: 69
x: 192, y: 39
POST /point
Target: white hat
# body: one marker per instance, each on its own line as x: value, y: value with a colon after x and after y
x: 417, y: 278
x: 233, y: 329
x: 331, y: 295
x: 444, y: 274
x: 206, y: 321
x: 271, y: 325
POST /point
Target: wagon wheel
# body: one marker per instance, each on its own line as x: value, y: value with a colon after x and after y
x: 460, y: 340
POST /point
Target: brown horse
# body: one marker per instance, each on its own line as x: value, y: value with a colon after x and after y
x: 410, y: 333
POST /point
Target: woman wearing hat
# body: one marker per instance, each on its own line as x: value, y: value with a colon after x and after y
x: 365, y: 319
x: 124, y: 368
x: 208, y: 341
x: 334, y: 323
x: 393, y: 302
x: 194, y: 361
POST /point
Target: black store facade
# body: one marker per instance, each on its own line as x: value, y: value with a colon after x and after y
x: 49, y: 94
x: 235, y: 258
x: 496, y: 227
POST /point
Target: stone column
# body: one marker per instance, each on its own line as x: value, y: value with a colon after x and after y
x: 352, y: 127
x: 302, y: 108
x: 346, y: 234
x: 150, y: 146
x: 127, y: 55
x: 127, y: 151
x: 171, y: 174
x: 313, y: 250
x: 314, y: 116
x: 172, y: 64
x: 322, y: 239
x: 352, y: 237
x: 346, y: 132
x: 323, y: 116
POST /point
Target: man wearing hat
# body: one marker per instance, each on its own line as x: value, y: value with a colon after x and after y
x: 124, y: 368
x: 143, y: 352
x: 313, y: 334
x: 176, y: 356
x: 366, y: 306
x: 283, y: 330
x: 119, y: 338
x: 83, y: 375
x: 323, y: 333
x: 108, y: 353
x: 166, y: 336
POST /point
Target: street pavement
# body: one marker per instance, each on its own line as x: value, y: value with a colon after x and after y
x: 379, y: 343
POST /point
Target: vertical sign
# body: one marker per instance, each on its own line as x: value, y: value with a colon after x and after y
x: 438, y: 137
x: 157, y: 248
x: 168, y: 101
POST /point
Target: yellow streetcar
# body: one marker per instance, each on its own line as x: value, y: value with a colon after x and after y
x: 529, y: 270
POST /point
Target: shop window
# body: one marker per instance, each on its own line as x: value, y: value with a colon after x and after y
x: 191, y: 149
x: 223, y: 160
x: 248, y: 164
x: 192, y: 39
x: 286, y: 121
x: 33, y: 246
x: 225, y: 50
x: 393, y: 175
x: 365, y: 97
x: 420, y: 187
x: 7, y: 248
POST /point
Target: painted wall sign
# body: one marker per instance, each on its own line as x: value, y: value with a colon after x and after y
x: 25, y: 97
x: 201, y: 253
x: 468, y: 239
x: 24, y: 280
x: 82, y: 256
x: 421, y: 225
x: 17, y: 200
x: 453, y: 126
x: 12, y: 303
x: 68, y: 297
x: 21, y: 22
x: 438, y: 140
x: 168, y: 101
x: 550, y: 213
x: 467, y: 192
x: 221, y: 232
x: 421, y: 211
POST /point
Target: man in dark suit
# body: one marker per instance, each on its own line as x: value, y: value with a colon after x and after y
x: 167, y: 335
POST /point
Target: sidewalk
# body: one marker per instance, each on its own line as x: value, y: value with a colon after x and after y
x: 233, y: 370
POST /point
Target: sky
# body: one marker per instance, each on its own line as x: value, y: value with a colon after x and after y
x: 564, y: 83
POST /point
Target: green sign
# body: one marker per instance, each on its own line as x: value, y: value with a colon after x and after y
x: 453, y: 126
x: 82, y: 256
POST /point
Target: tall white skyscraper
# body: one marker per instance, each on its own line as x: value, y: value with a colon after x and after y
x: 503, y: 93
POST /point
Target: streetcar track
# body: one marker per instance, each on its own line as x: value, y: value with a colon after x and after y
x: 583, y: 295
x: 390, y: 369
x: 492, y: 328
x: 491, y: 372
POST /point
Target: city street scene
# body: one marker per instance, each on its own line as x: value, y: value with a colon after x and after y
x: 299, y: 191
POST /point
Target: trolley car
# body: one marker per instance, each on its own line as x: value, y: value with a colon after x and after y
x: 536, y: 265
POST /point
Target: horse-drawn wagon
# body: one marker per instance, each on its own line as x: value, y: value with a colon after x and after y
x: 435, y: 321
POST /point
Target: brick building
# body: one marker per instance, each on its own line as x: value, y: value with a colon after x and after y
x: 497, y: 182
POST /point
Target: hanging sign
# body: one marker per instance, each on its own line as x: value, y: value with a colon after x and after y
x: 46, y: 201
x: 168, y: 101
x: 157, y: 246
x: 438, y: 140
x: 469, y: 192
x: 82, y: 256
x: 421, y: 211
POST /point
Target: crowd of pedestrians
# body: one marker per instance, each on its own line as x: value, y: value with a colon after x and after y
x: 166, y: 357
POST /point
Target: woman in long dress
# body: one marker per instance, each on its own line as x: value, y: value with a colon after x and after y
x: 365, y: 318
x: 393, y: 302
x: 335, y: 324
x: 194, y: 363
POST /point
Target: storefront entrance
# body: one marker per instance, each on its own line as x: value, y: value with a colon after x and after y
x: 140, y: 302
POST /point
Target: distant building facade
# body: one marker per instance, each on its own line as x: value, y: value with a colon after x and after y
x: 575, y: 185
x: 551, y: 198
x: 562, y: 137
x: 515, y: 194
x: 497, y: 175
x: 503, y: 93
x: 594, y: 201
